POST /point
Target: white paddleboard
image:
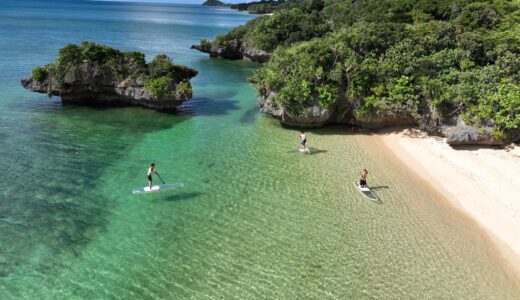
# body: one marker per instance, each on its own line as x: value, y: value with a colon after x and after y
x: 301, y: 151
x: 157, y: 188
x: 367, y: 192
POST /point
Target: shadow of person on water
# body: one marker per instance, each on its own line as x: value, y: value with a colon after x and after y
x: 317, y: 151
x: 379, y: 187
x: 182, y: 196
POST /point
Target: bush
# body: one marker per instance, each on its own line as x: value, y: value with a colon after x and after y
x: 307, y: 74
x: 180, y: 73
x: 502, y: 105
x: 285, y: 27
x: 99, y: 54
x: 161, y: 65
x: 39, y: 74
x: 135, y: 56
x: 159, y: 87
x: 184, y: 88
x: 70, y: 54
x: 135, y: 64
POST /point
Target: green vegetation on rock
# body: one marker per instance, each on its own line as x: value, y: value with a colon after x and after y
x: 161, y: 76
x: 40, y: 73
x: 166, y: 77
x: 121, y: 64
x: 387, y: 57
x: 162, y: 65
x: 160, y: 87
x: 283, y: 28
x: 264, y: 6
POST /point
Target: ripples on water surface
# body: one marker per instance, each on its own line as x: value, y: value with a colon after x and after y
x: 252, y: 220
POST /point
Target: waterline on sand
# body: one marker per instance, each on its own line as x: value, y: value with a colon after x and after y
x: 479, y: 181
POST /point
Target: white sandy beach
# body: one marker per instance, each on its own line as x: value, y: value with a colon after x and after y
x: 484, y: 182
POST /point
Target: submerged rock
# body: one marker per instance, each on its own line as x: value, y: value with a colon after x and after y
x: 92, y: 74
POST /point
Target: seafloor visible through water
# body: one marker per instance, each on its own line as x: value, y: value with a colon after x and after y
x: 252, y: 220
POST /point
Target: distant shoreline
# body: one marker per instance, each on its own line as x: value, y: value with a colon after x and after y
x: 479, y: 181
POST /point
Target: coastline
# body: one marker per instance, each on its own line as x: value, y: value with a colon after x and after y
x: 479, y: 182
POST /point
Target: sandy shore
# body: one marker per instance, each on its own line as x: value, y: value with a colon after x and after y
x: 483, y: 182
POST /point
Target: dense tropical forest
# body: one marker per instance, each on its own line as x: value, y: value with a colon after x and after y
x: 392, y: 57
x: 264, y: 6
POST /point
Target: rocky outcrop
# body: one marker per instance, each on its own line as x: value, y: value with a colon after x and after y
x: 87, y: 85
x: 463, y: 134
x: 375, y: 121
x: 233, y: 50
x: 92, y: 74
x: 337, y: 113
x: 455, y: 130
x: 255, y: 55
x: 311, y: 117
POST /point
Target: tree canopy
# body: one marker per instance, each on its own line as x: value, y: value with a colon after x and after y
x: 393, y: 57
x: 159, y: 75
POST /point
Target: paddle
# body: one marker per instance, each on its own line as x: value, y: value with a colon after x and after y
x: 160, y: 177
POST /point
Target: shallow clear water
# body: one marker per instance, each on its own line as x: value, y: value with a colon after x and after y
x: 252, y: 220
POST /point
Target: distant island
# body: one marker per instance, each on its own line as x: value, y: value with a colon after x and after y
x: 257, y: 7
x: 214, y: 3
x: 93, y: 74
x: 450, y: 67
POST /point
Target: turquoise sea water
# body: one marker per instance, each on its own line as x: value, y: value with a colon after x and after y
x: 251, y: 222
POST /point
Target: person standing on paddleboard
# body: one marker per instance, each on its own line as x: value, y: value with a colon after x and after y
x: 303, y: 142
x: 151, y: 171
x: 363, y: 178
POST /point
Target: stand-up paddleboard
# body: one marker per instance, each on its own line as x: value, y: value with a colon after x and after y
x: 367, y: 192
x: 157, y: 188
x: 301, y: 151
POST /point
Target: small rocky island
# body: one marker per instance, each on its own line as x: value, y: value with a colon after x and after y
x: 93, y: 74
x: 214, y: 3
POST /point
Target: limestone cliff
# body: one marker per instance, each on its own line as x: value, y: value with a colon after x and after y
x: 454, y: 129
x: 233, y: 49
